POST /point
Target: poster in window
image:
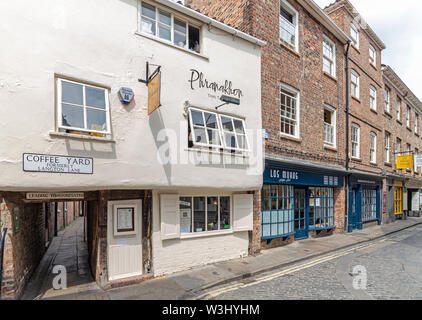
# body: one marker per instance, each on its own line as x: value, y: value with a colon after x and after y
x: 125, y: 219
x: 318, y: 202
x: 185, y: 220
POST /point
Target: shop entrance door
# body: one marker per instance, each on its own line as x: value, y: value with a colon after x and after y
x: 301, y: 214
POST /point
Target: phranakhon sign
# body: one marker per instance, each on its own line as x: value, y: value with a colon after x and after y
x: 57, y: 164
x: 198, y: 81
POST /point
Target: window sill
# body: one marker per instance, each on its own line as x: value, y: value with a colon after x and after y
x: 297, y: 54
x: 388, y: 114
x: 220, y: 153
x: 356, y: 159
x: 170, y: 44
x: 416, y: 134
x: 355, y: 98
x: 388, y: 164
x: 408, y: 128
x: 356, y: 48
x: 372, y: 65
x: 330, y: 76
x: 330, y: 148
x: 205, y: 234
x: 373, y: 163
x: 79, y: 136
x: 373, y: 110
x: 291, y: 138
x: 399, y: 121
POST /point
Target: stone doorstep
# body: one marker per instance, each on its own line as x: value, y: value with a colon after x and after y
x: 127, y: 281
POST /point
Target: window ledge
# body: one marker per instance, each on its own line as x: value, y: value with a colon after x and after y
x: 399, y: 121
x: 222, y: 153
x: 388, y: 114
x: 294, y: 139
x: 167, y: 43
x: 388, y: 164
x: 408, y: 128
x: 372, y: 65
x: 330, y: 148
x: 330, y: 76
x: 416, y: 134
x: 356, y: 159
x: 373, y: 163
x: 79, y: 136
x: 282, y: 44
x: 356, y: 48
x: 205, y: 234
x: 355, y: 98
x: 373, y: 110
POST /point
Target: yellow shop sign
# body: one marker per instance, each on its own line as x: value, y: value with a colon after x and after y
x: 404, y: 162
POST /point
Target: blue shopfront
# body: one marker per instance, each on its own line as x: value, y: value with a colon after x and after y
x: 297, y: 199
x: 364, y: 200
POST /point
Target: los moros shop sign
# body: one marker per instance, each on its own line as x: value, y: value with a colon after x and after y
x: 57, y: 164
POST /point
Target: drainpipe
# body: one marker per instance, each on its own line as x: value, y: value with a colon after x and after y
x: 346, y: 216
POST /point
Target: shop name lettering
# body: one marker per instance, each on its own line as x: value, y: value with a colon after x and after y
x: 198, y: 80
x: 286, y: 175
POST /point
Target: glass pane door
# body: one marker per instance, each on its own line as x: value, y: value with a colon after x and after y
x: 301, y: 219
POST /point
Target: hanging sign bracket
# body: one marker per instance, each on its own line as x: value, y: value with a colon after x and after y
x: 149, y: 77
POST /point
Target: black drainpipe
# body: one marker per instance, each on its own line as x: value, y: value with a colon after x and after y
x: 346, y: 215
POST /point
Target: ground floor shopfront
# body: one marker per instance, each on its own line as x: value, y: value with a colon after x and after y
x: 299, y: 201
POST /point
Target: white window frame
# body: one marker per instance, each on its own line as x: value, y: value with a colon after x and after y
x: 398, y: 146
x: 415, y: 168
x: 220, y: 130
x: 289, y: 8
x: 416, y: 123
x: 372, y: 55
x: 408, y: 116
x: 373, y: 147
x: 387, y: 100
x: 172, y: 29
x: 373, y: 97
x: 387, y: 147
x: 294, y: 94
x: 356, y: 30
x: 84, y: 85
x: 356, y: 142
x: 333, y: 124
x: 398, y: 110
x: 324, y: 57
x: 206, y: 232
x: 355, y: 74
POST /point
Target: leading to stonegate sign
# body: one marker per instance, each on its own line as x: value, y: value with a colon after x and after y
x: 55, y: 196
x: 57, y: 164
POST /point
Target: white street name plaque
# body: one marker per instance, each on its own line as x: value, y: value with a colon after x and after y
x: 57, y: 164
x: 52, y: 196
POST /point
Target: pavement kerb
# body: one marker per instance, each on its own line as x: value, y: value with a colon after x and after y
x: 287, y: 264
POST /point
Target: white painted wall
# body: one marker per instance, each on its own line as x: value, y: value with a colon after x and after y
x: 175, y: 255
x: 96, y: 41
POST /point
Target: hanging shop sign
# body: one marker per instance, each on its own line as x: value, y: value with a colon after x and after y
x: 404, y: 162
x: 154, y: 92
x: 418, y: 160
x: 57, y: 164
x: 55, y: 196
x: 282, y: 176
x: 126, y: 95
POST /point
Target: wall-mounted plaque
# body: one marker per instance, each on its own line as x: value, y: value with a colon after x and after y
x: 125, y: 219
x: 57, y: 164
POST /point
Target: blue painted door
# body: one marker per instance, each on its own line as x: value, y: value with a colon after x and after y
x: 301, y: 214
x: 355, y: 209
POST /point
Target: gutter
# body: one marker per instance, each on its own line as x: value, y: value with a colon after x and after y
x: 211, y: 22
x: 346, y: 196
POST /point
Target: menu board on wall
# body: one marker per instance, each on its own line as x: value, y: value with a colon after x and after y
x: 125, y: 219
x: 185, y: 220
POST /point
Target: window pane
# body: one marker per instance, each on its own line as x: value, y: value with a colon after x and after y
x: 179, y: 25
x: 225, y: 213
x: 164, y: 17
x: 96, y: 120
x: 212, y: 213
x: 185, y: 207
x: 241, y: 139
x: 200, y: 135
x: 95, y: 97
x: 227, y: 123
x: 72, y: 93
x: 230, y: 140
x: 164, y: 32
x: 179, y: 40
x: 148, y: 11
x: 197, y: 118
x: 72, y: 116
x: 194, y: 39
x: 211, y: 120
x: 238, y: 124
x: 199, y: 214
x: 214, y: 137
x: 148, y: 26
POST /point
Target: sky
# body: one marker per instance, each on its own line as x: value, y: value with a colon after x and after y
x: 399, y: 25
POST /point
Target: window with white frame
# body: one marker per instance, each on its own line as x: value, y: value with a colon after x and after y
x: 415, y: 168
x: 215, y: 130
x: 164, y: 25
x: 329, y: 56
x: 329, y: 126
x: 289, y: 111
x: 204, y: 213
x: 289, y: 25
x: 408, y: 116
x: 387, y: 99
x: 373, y: 147
x: 354, y: 84
x: 355, y: 141
x: 398, y: 110
x: 82, y: 108
x: 387, y: 148
x: 354, y: 33
x: 373, y: 98
x: 372, y: 55
x: 416, y: 123
x: 398, y: 147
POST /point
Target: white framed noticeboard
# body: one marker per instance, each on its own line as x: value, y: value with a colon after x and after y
x: 125, y: 217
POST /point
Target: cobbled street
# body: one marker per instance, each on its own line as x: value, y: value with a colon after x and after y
x: 393, y: 266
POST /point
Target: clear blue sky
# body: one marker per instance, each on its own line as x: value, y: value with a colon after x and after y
x: 399, y: 25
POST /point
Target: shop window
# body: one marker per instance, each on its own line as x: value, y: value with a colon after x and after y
x: 321, y: 208
x: 82, y: 108
x: 369, y: 205
x: 288, y: 25
x: 277, y: 211
x: 213, y: 130
x: 204, y: 214
x: 164, y: 25
x: 289, y: 108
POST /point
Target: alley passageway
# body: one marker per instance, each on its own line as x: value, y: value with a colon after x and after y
x: 68, y: 249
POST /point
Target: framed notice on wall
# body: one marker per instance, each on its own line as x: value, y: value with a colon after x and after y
x: 125, y: 217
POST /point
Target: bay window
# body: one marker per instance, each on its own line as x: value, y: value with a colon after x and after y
x: 82, y: 108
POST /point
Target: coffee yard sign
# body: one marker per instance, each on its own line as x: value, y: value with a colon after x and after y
x: 57, y: 164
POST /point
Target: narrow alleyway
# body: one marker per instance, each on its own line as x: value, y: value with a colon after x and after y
x: 68, y: 249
